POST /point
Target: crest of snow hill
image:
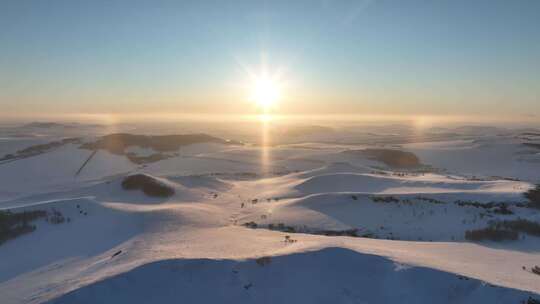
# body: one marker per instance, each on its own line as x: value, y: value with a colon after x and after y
x: 150, y: 185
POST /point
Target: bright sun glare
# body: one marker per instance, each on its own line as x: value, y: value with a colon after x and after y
x: 265, y: 92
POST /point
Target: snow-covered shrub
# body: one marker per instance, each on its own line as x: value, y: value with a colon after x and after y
x: 531, y: 300
x: 385, y: 199
x: 520, y: 225
x: 491, y: 234
x: 347, y: 232
x: 262, y: 261
x: 504, y: 230
x: 56, y: 217
x: 533, y: 196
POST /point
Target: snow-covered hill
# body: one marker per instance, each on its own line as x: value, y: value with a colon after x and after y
x: 331, y: 275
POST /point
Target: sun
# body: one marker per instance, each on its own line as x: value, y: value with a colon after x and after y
x: 264, y: 85
x: 265, y: 91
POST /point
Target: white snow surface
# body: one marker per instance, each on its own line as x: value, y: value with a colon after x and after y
x: 126, y: 247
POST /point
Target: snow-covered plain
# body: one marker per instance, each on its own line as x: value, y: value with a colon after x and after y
x: 122, y: 246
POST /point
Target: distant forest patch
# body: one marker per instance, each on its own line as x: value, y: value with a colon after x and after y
x: 390, y: 157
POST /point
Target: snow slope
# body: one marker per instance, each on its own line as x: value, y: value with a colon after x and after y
x: 352, y: 182
x: 93, y: 228
x: 331, y: 275
x: 492, y: 156
x: 55, y: 171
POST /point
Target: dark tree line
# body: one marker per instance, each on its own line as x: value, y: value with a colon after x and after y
x: 13, y: 225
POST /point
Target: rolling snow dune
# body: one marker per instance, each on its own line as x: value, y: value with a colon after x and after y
x: 332, y: 275
x: 337, y: 167
x: 200, y: 181
x: 488, y: 157
x: 195, y: 165
x: 10, y: 145
x: 415, y: 220
x: 112, y: 191
x: 92, y: 229
x: 369, y: 183
x: 55, y: 170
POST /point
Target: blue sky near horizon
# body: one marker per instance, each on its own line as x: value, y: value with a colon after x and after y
x: 380, y: 57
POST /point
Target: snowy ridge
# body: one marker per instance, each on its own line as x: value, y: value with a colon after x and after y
x: 336, y: 279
